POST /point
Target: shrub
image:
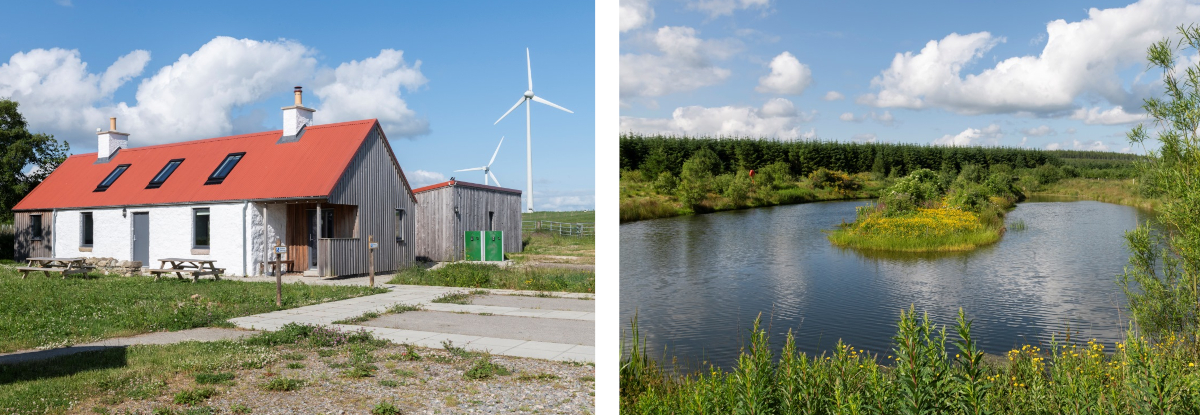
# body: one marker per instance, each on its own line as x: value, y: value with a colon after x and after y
x: 738, y: 188
x: 665, y: 183
x: 385, y: 408
x: 484, y: 368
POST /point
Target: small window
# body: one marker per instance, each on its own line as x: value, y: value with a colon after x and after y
x: 112, y: 177
x: 399, y: 225
x: 200, y: 222
x: 85, y: 229
x: 35, y: 227
x: 164, y: 174
x: 224, y: 168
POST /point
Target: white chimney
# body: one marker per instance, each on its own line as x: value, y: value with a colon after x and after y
x: 296, y: 116
x: 108, y: 142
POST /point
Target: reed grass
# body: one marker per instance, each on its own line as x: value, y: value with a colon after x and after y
x: 923, y: 374
x: 1117, y: 191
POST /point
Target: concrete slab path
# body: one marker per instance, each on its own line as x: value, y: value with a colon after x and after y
x: 501, y: 342
x: 508, y: 327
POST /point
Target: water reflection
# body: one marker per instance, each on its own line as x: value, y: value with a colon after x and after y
x: 698, y: 282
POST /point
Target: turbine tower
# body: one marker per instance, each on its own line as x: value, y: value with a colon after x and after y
x: 529, y: 96
x: 487, y: 170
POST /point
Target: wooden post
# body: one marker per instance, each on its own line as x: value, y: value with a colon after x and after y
x: 371, y: 258
x: 278, y: 277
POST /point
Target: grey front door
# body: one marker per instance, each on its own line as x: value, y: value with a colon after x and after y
x: 141, y: 237
x: 312, y: 239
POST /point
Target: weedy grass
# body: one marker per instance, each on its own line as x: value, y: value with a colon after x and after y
x: 484, y: 368
x: 194, y: 396
x: 359, y: 319
x: 385, y: 408
x: 1118, y: 191
x: 924, y: 376
x: 282, y: 384
x: 453, y: 298
x: 403, y: 308
x: 223, y: 378
x: 489, y: 276
x: 42, y: 312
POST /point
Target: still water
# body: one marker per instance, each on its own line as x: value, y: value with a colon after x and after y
x: 697, y: 282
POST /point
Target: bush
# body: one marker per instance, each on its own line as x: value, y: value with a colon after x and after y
x: 665, y: 183
x: 738, y: 189
x: 282, y: 384
x: 776, y: 175
x: 908, y: 193
x: 484, y: 368
x: 385, y: 408
x: 1046, y: 174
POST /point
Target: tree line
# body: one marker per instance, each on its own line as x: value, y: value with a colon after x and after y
x: 654, y: 154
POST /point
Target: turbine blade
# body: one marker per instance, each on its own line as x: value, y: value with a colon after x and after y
x: 494, y: 179
x: 477, y: 168
x: 539, y: 99
x: 497, y: 151
x: 519, y: 101
x: 528, y: 69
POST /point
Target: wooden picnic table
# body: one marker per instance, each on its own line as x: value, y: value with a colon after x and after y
x: 193, y: 266
x: 46, y: 265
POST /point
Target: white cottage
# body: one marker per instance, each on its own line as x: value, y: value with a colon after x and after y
x: 321, y: 190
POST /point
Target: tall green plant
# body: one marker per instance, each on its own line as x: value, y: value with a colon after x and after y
x: 1165, y: 302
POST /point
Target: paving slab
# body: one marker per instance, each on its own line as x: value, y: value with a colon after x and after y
x: 580, y: 332
x: 565, y: 304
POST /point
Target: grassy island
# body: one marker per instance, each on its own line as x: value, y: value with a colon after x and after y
x: 925, y: 211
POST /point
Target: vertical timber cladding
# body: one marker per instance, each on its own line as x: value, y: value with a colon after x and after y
x: 23, y: 243
x: 474, y: 205
x: 372, y: 182
x: 437, y: 225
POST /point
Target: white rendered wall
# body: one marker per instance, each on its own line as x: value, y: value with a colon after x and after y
x: 260, y: 242
x: 170, y: 234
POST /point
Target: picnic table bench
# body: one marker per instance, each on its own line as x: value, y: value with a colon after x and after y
x: 46, y: 265
x: 194, y: 267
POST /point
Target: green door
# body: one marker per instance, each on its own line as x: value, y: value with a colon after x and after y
x: 493, y: 246
x: 473, y: 245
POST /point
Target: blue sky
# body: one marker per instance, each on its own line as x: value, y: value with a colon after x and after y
x: 437, y: 75
x: 1045, y: 74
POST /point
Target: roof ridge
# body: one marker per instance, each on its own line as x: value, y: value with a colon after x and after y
x: 229, y: 137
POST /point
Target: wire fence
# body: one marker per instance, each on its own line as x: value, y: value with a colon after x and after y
x: 561, y: 228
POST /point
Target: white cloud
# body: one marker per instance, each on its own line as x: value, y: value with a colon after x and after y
x: 716, y: 8
x: 989, y: 136
x: 1078, y: 58
x: 196, y: 95
x: 559, y: 200
x: 684, y: 65
x: 778, y: 118
x: 634, y: 14
x: 371, y: 89
x: 1023, y: 141
x: 1113, y: 116
x: 865, y: 138
x: 1038, y: 131
x: 833, y: 96
x: 885, y: 118
x: 788, y: 76
x: 1078, y: 145
x: 421, y: 178
x: 809, y: 135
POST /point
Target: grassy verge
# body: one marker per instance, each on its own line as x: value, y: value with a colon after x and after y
x: 924, y: 374
x: 489, y: 276
x: 640, y: 200
x: 40, y: 312
x: 578, y: 216
x: 552, y: 247
x: 1117, y: 191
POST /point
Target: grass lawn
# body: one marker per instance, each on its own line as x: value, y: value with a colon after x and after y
x: 40, y: 312
x: 579, y: 216
x: 489, y: 276
x: 552, y: 247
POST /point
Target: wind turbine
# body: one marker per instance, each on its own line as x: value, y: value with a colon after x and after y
x: 529, y: 96
x: 487, y: 170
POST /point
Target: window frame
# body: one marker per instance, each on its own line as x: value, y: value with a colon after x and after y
x: 208, y: 232
x: 115, y: 174
x: 36, y: 233
x: 213, y: 179
x: 400, y: 214
x: 87, y: 229
x: 156, y: 184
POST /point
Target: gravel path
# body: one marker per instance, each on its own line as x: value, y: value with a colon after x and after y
x: 434, y: 384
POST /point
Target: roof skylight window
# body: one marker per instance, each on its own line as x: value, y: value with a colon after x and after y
x: 223, y: 170
x: 164, y: 174
x: 112, y: 177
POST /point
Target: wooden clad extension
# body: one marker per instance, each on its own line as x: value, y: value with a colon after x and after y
x: 440, y: 229
x: 24, y: 244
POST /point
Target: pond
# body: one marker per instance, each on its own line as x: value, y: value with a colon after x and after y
x: 697, y: 282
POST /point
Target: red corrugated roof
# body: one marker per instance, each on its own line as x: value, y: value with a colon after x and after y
x: 467, y: 184
x: 306, y: 168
